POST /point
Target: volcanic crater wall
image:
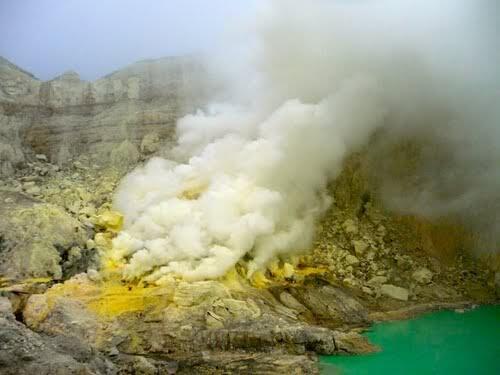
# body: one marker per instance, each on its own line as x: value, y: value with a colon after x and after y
x: 65, y: 117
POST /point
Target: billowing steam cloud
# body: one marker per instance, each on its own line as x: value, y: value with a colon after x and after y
x: 248, y: 177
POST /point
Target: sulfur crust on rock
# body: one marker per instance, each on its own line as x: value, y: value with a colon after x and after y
x: 116, y: 298
x: 111, y: 221
x: 107, y: 300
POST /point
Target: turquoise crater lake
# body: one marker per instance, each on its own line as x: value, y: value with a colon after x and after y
x: 445, y: 342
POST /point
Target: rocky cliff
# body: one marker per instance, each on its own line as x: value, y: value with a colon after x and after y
x: 66, y: 117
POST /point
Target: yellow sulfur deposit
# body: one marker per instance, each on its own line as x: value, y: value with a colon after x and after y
x: 112, y: 221
x: 287, y: 272
x: 259, y: 280
x: 281, y: 271
x: 232, y: 279
x: 307, y: 271
x: 109, y: 298
x: 192, y: 192
x: 116, y: 298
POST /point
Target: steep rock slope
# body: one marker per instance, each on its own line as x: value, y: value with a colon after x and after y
x: 65, y: 117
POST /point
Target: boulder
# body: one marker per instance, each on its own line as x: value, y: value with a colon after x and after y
x: 395, y: 292
x: 351, y: 260
x: 360, y: 246
x: 36, y: 239
x: 330, y: 305
x: 377, y: 280
x: 350, y: 226
x: 422, y: 276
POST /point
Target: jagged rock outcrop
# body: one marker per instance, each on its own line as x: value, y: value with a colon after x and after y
x: 23, y: 351
x: 66, y: 117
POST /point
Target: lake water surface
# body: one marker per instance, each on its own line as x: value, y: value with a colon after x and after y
x: 444, y: 342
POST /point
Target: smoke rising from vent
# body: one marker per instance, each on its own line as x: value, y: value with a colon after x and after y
x: 314, y: 83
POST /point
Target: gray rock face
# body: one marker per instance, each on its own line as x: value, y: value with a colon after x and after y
x: 331, y: 306
x: 66, y: 116
x: 23, y: 351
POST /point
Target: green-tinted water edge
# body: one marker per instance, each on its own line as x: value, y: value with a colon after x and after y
x: 444, y: 342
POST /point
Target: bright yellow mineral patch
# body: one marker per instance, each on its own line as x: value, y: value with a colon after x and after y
x: 281, y: 271
x: 112, y: 221
x: 112, y: 297
x: 294, y: 270
x: 116, y: 298
x: 307, y: 271
x: 259, y: 280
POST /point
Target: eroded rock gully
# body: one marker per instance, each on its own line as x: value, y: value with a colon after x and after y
x: 366, y: 264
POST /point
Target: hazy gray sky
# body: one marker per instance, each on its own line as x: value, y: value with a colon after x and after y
x: 95, y: 37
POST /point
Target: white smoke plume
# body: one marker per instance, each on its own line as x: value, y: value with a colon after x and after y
x: 248, y: 177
